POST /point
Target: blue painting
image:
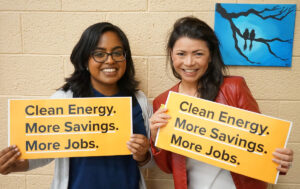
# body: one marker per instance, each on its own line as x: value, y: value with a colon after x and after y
x: 256, y: 34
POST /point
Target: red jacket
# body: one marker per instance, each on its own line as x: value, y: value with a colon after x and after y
x: 233, y: 92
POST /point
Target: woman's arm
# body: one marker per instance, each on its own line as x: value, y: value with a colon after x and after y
x: 162, y: 157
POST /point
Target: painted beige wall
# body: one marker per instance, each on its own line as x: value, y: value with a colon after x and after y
x: 37, y: 36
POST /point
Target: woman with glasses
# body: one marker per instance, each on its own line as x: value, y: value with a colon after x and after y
x: 103, y: 68
x: 195, y: 59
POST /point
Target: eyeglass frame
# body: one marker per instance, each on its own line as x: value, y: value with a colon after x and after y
x: 107, y: 55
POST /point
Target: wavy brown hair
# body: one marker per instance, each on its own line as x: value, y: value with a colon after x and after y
x: 79, y: 81
x: 193, y: 28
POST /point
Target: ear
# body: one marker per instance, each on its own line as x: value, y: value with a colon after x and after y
x: 171, y: 55
x: 86, y: 66
x: 210, y: 58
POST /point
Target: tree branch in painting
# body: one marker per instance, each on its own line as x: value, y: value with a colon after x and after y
x: 276, y: 13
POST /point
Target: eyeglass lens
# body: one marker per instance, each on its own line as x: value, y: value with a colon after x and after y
x: 100, y: 56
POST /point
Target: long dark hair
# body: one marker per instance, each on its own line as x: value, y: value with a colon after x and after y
x: 79, y: 81
x: 191, y: 27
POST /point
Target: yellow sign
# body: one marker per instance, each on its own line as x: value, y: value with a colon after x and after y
x: 234, y: 139
x: 70, y: 127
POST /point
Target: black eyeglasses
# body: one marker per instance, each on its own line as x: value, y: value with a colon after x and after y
x: 101, y: 57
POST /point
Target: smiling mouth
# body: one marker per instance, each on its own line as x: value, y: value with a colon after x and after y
x: 190, y: 70
x: 109, y: 70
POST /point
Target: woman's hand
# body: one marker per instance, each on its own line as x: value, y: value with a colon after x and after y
x: 283, y: 157
x: 9, y: 161
x: 139, y: 146
x: 157, y: 120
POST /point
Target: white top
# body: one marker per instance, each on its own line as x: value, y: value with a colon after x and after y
x: 204, y: 176
x: 61, y: 172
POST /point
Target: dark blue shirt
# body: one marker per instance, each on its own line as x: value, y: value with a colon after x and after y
x: 108, y: 171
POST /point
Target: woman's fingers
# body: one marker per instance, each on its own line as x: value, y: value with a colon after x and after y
x: 8, y: 159
x: 283, y: 169
x: 284, y: 158
x: 284, y: 154
x: 139, y: 143
x: 139, y: 146
x: 161, y: 110
x: 282, y: 163
x: 5, y: 150
x: 159, y: 117
x: 163, y: 115
x: 136, y: 146
x: 132, y: 149
x: 19, y: 165
x: 157, y: 120
x: 139, y: 139
x: 6, y: 153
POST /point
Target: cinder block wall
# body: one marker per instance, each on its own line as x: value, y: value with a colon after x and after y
x: 37, y: 36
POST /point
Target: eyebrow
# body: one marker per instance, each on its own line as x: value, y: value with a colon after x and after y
x: 198, y: 50
x: 115, y: 48
x: 192, y: 51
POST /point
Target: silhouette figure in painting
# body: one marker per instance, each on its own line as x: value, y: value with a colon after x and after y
x: 252, y: 37
x: 245, y: 36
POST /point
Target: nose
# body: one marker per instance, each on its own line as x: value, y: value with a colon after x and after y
x: 109, y: 59
x: 188, y: 61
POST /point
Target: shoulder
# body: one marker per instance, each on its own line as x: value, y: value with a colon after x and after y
x: 143, y: 101
x: 62, y: 94
x: 235, y: 92
x: 233, y: 81
x: 232, y: 85
x: 140, y: 95
x: 146, y: 109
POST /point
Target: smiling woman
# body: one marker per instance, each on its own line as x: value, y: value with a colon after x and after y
x: 103, y: 68
x: 190, y: 60
x: 196, y: 60
x: 104, y: 77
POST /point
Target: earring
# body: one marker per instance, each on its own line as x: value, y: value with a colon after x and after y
x: 87, y: 68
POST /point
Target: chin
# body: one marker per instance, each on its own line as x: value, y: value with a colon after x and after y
x: 190, y: 80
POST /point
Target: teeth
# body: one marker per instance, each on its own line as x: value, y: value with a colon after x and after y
x: 189, y: 70
x: 109, y: 70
